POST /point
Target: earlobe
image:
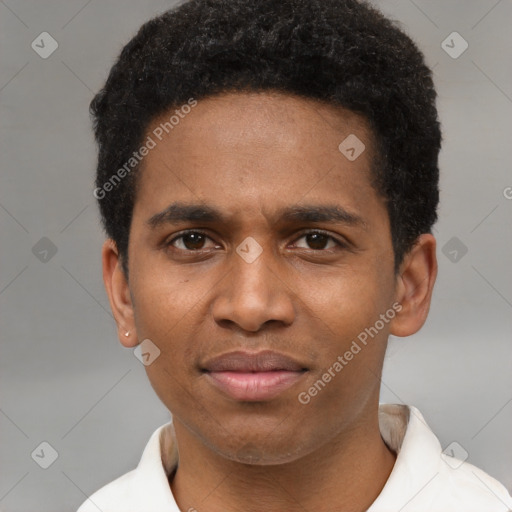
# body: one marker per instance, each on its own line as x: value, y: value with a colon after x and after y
x: 118, y: 293
x: 415, y: 283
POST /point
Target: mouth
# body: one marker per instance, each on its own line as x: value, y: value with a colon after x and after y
x: 253, y: 377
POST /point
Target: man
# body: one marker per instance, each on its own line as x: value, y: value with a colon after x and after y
x: 268, y: 181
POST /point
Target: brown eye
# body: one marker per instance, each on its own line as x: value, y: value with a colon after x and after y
x: 190, y: 241
x: 318, y: 241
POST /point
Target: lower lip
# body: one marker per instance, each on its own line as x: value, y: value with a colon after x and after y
x: 256, y: 386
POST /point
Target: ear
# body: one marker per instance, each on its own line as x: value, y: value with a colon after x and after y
x: 415, y: 282
x: 118, y: 291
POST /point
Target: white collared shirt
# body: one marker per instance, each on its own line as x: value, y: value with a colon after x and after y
x: 423, y: 478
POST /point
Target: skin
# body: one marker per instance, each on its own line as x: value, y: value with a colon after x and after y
x: 250, y: 155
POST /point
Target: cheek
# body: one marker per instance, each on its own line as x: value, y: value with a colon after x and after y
x: 346, y: 311
x: 350, y: 351
x: 164, y: 313
x: 162, y: 299
x: 345, y: 300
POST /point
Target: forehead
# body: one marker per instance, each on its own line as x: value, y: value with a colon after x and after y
x: 257, y: 152
x: 270, y: 119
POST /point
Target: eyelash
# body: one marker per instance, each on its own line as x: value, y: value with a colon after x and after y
x: 339, y: 243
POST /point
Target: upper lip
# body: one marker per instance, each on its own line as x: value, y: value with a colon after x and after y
x: 241, y: 361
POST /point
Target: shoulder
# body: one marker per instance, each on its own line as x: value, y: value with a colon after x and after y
x: 425, y: 478
x: 462, y: 484
x: 112, y: 496
x: 144, y: 488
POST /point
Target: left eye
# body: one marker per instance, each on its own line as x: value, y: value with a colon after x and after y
x: 319, y: 240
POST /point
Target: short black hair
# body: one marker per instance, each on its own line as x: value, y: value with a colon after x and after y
x: 343, y: 52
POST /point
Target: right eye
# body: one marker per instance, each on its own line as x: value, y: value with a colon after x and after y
x: 190, y: 241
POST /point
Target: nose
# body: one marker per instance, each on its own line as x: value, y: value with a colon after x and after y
x: 253, y: 295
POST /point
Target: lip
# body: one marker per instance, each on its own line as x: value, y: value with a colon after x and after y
x: 242, y: 361
x: 253, y: 377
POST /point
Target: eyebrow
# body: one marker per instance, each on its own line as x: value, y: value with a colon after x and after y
x: 181, y: 212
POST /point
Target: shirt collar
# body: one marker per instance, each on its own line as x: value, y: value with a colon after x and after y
x: 158, y: 460
x: 418, y: 450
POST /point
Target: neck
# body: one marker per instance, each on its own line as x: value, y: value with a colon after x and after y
x: 349, y: 471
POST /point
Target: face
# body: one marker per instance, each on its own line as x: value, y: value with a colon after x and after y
x: 280, y: 244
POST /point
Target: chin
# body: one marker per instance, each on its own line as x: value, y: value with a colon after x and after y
x: 262, y: 453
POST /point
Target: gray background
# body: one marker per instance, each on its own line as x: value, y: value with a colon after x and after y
x: 66, y: 380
